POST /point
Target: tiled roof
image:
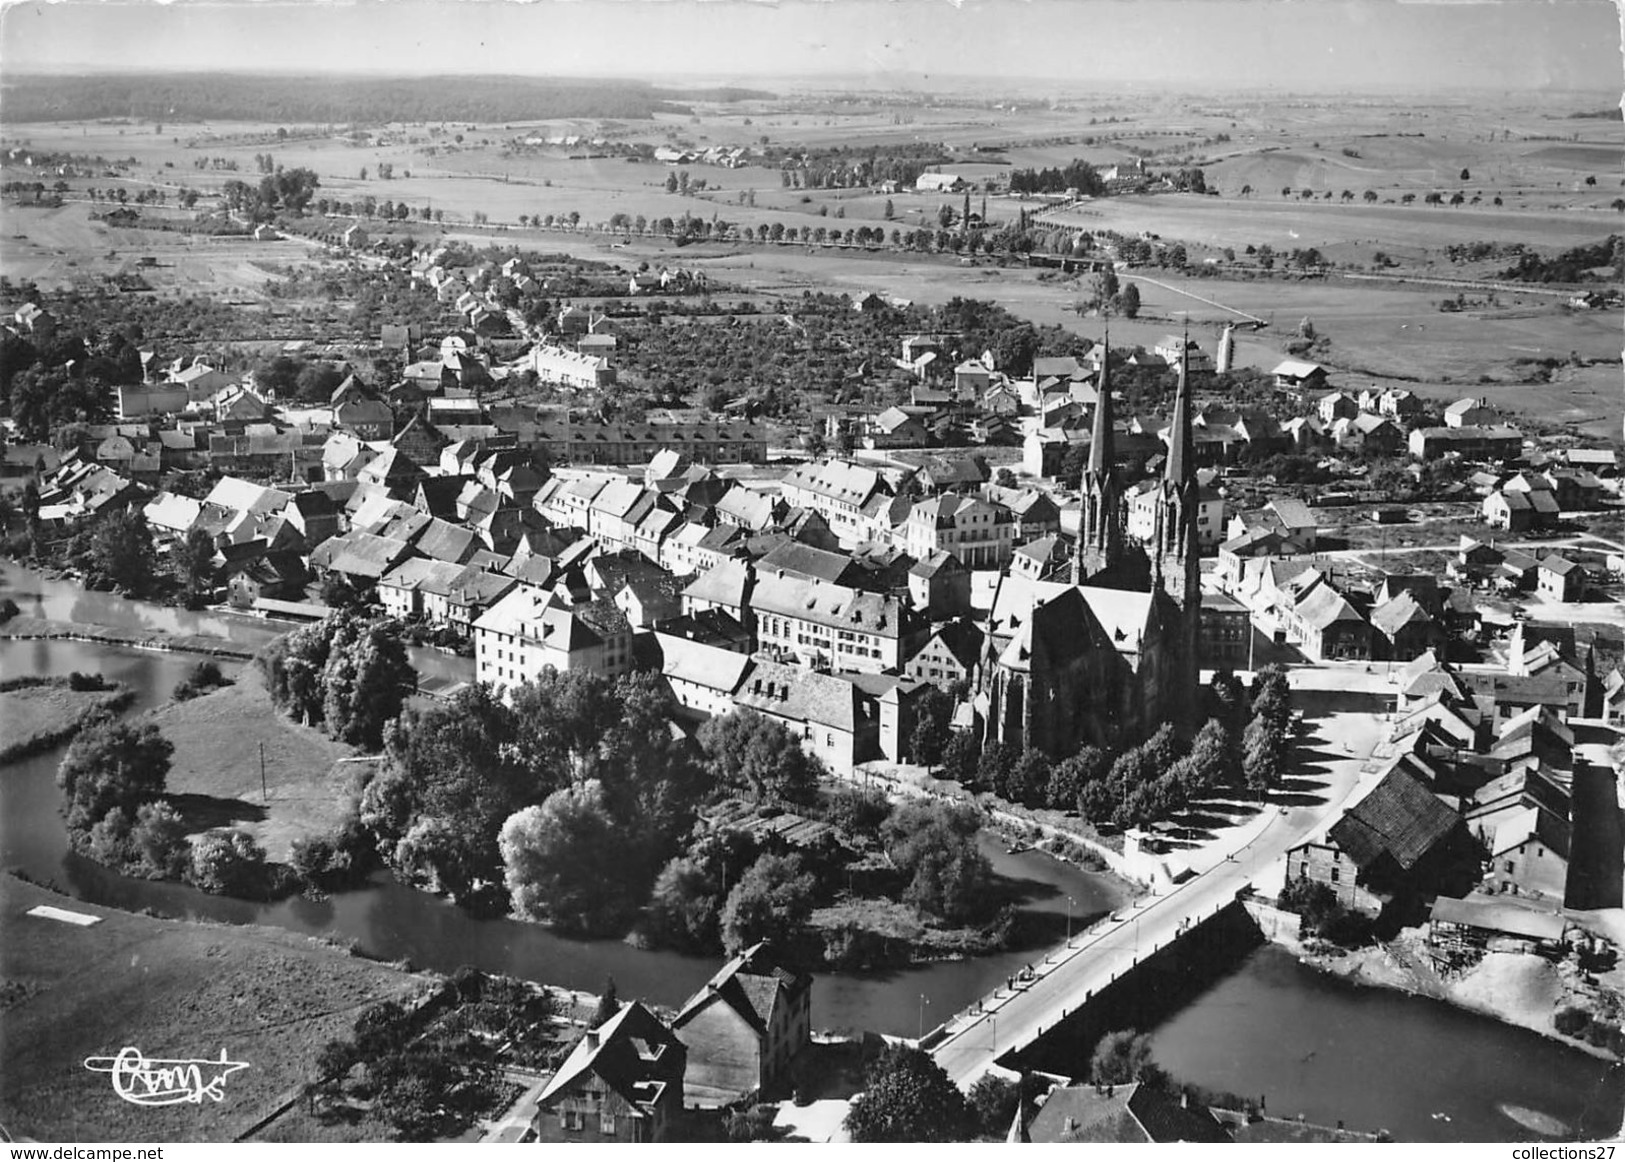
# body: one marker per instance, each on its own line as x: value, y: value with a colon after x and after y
x: 1399, y: 818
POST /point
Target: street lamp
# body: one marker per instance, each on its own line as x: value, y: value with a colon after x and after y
x: 924, y: 1000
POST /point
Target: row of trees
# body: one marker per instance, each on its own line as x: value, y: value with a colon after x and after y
x: 1150, y: 781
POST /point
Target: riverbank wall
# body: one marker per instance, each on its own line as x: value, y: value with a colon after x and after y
x: 23, y: 628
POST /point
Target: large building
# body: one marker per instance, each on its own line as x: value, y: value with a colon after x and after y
x: 595, y: 442
x: 533, y: 629
x: 1108, y: 659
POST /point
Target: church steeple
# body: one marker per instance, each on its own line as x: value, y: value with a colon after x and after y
x: 1176, y: 551
x: 1101, y: 522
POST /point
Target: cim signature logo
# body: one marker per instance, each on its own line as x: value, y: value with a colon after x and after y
x: 155, y: 1081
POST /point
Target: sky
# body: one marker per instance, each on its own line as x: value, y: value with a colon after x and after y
x: 1338, y: 45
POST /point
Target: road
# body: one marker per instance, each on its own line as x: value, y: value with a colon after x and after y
x: 1014, y: 1017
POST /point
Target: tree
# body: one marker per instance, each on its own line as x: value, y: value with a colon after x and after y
x: 121, y: 553
x: 1068, y: 777
x: 758, y: 755
x: 909, y: 1098
x: 933, y: 710
x: 366, y: 680
x: 1261, y: 757
x: 1123, y: 1057
x: 608, y: 1004
x: 1465, y: 176
x: 934, y: 845
x: 771, y: 901
x: 193, y: 564
x: 1128, y: 303
x: 993, y: 1100
x: 158, y: 842
x: 890, y: 211
x: 229, y: 864
x: 112, y: 766
x: 960, y: 758
x: 683, y: 908
x: 564, y: 862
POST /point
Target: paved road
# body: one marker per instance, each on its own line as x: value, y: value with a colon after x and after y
x: 1014, y: 1017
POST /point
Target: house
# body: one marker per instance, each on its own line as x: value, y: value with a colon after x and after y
x: 530, y: 630
x: 1403, y: 629
x: 1224, y: 633
x: 1470, y: 413
x: 702, y: 676
x: 1399, y: 838
x: 1327, y: 627
x: 939, y: 183
x: 1135, y: 1112
x: 1471, y: 443
x: 835, y: 720
x: 1336, y: 405
x: 1518, y: 511
x: 949, y: 655
x: 1369, y: 435
x: 1560, y: 579
x: 138, y: 401
x: 622, y: 1082
x: 1398, y: 404
x: 895, y: 428
x: 1299, y: 376
x: 1176, y: 350
x: 743, y: 1030
x: 939, y: 585
x: 972, y: 379
x: 981, y: 535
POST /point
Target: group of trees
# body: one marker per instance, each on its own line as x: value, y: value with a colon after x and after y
x: 113, y: 778
x: 347, y: 674
x: 1075, y: 175
x: 1578, y: 264
x: 424, y: 1086
x: 284, y: 191
x: 562, y: 802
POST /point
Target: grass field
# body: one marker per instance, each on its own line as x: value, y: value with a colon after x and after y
x: 214, y: 776
x: 171, y: 989
x: 36, y: 711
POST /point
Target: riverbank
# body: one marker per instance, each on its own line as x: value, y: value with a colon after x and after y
x: 41, y: 713
x: 174, y: 989
x: 24, y: 628
x: 1520, y: 989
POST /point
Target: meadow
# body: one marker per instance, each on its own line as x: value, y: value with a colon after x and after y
x: 1531, y: 153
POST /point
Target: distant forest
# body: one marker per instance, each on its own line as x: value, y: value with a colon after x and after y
x: 179, y: 98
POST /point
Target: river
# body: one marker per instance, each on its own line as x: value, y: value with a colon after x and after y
x: 391, y: 922
x: 1308, y: 1043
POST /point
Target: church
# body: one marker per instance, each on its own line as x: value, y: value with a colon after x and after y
x: 1108, y: 658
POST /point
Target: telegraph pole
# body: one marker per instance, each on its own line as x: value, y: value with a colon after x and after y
x: 264, y: 793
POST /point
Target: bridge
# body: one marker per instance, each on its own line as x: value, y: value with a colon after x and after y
x: 1072, y: 976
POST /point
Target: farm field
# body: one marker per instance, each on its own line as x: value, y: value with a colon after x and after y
x: 268, y: 998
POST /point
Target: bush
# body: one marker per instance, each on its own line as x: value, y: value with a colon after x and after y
x: 200, y: 679
x: 1571, y: 1022
x: 229, y: 864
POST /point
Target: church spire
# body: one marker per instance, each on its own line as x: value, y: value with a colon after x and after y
x: 1181, y: 462
x: 1102, y: 452
x: 1101, y: 524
